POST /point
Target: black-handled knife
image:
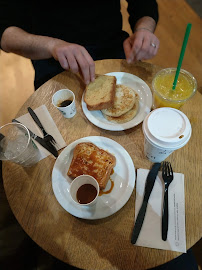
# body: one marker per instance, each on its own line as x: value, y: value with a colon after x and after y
x: 36, y: 120
x: 148, y: 189
x: 40, y: 141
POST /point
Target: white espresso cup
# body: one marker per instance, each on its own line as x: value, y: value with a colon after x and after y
x: 64, y: 101
x: 165, y: 130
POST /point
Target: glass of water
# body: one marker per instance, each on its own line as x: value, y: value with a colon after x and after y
x: 17, y: 146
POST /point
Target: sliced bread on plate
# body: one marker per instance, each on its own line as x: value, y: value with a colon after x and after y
x: 100, y: 93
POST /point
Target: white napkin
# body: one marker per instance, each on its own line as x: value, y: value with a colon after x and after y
x: 150, y: 234
x: 48, y: 124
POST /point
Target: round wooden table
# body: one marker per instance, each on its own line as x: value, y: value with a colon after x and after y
x: 99, y: 244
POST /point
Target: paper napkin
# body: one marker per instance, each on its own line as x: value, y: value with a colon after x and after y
x: 48, y: 124
x: 150, y: 234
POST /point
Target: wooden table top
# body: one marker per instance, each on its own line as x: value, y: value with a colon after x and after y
x: 99, y: 244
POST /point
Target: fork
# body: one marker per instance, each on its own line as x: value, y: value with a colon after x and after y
x: 47, y: 137
x: 167, y: 174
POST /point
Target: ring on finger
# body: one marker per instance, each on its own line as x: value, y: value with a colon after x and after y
x: 153, y: 44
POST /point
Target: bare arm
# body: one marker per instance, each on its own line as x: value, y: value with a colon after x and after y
x: 18, y: 41
x: 70, y: 56
x: 143, y: 44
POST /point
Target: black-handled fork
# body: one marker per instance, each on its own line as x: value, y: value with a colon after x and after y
x: 167, y: 174
x: 47, y: 137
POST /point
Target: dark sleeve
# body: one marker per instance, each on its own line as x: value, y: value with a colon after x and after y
x: 140, y: 8
x: 14, y: 13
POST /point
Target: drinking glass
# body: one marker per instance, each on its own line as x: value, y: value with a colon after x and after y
x: 16, y: 145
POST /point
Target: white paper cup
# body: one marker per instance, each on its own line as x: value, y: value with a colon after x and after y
x: 165, y: 130
x: 60, y: 96
x: 79, y: 182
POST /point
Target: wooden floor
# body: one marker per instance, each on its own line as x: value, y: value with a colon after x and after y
x: 17, y: 74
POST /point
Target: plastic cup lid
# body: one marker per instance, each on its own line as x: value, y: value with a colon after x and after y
x: 167, y: 127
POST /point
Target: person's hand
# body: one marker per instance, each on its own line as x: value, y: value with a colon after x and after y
x: 74, y: 57
x: 142, y: 45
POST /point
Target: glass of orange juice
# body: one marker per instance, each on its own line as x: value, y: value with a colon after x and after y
x: 165, y: 96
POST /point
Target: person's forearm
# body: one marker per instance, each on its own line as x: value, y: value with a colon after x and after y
x: 146, y: 23
x: 70, y: 55
x: 31, y: 46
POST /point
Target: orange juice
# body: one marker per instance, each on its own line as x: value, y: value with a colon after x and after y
x: 165, y: 96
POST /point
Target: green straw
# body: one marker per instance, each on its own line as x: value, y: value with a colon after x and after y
x: 186, y: 36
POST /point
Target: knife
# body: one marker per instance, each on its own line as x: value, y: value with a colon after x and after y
x: 148, y: 189
x: 36, y: 120
x: 41, y: 141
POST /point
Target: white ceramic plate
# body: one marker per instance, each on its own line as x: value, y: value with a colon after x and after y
x: 145, y: 103
x: 107, y: 204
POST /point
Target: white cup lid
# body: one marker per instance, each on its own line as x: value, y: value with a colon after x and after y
x: 167, y: 127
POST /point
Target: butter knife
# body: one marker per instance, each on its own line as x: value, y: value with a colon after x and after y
x: 41, y: 141
x: 148, y: 189
x: 36, y: 120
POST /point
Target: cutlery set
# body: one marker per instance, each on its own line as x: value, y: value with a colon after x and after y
x: 167, y: 175
x: 48, y: 142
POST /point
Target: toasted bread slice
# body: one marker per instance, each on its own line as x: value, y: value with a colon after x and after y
x: 92, y: 160
x: 100, y: 93
x: 126, y: 117
x: 123, y: 102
